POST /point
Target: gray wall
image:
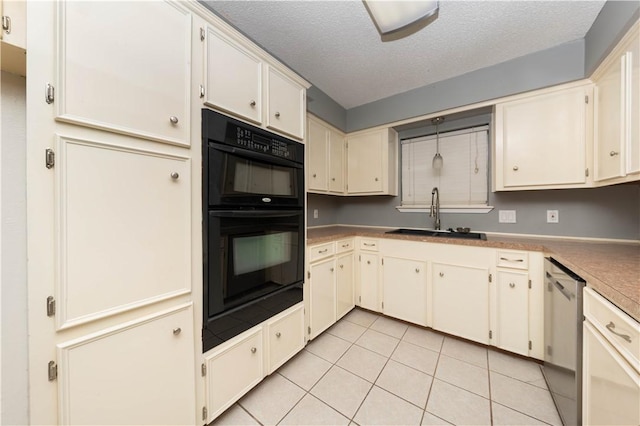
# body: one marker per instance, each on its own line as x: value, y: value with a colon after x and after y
x: 13, y: 278
x: 609, y: 212
x: 320, y: 104
x: 615, y: 18
x: 549, y: 67
x: 327, y: 206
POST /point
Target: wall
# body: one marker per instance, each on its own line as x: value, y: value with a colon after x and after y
x: 320, y: 104
x: 327, y: 206
x: 613, y: 21
x: 609, y: 212
x: 13, y: 281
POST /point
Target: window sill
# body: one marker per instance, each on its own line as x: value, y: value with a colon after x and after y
x: 446, y: 209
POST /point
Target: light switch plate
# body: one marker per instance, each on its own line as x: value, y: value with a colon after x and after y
x: 506, y: 216
x: 315, y: 213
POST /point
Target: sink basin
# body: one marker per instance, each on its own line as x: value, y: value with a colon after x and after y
x: 437, y: 233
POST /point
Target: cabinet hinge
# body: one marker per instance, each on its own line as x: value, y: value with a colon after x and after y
x: 51, y: 306
x: 382, y: 305
x: 49, y: 158
x: 49, y: 93
x: 308, y: 274
x: 203, y: 369
x: 201, y: 91
x: 490, y: 334
x: 586, y: 172
x: 205, y: 413
x: 586, y: 99
x: 530, y: 345
x: 359, y: 298
x: 52, y: 371
x: 382, y: 260
x: 202, y: 34
x: 6, y: 24
x: 309, y: 330
x: 549, y: 351
x: 529, y: 283
x: 359, y: 258
x: 490, y: 278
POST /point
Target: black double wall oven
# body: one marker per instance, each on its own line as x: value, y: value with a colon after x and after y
x: 253, y: 226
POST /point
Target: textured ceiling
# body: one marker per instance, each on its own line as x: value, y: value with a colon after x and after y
x: 335, y: 46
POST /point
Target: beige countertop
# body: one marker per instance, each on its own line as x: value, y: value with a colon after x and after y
x: 610, y: 268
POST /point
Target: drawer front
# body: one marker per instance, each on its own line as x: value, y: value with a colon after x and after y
x: 369, y: 244
x: 233, y: 371
x: 285, y: 337
x: 620, y: 329
x: 344, y: 245
x: 321, y: 251
x: 512, y: 259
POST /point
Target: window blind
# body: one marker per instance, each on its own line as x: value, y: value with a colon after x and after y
x: 463, y: 179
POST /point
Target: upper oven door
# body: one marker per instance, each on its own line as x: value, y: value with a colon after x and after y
x: 239, y: 177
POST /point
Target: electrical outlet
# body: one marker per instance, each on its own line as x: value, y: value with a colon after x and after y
x: 507, y: 216
x: 552, y: 216
x: 315, y: 213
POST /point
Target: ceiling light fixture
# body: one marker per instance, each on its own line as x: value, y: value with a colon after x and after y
x: 392, y: 16
x: 437, y: 159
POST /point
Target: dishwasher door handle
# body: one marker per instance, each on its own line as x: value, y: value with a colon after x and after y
x: 561, y: 289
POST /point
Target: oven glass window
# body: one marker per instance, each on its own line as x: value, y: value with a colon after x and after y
x: 244, y: 176
x: 255, y: 253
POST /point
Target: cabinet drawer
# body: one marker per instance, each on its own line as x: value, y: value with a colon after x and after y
x: 368, y: 244
x: 321, y: 251
x: 285, y: 337
x: 621, y: 330
x: 232, y: 371
x: 512, y: 259
x: 344, y: 245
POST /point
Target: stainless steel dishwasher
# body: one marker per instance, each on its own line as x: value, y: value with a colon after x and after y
x: 563, y: 318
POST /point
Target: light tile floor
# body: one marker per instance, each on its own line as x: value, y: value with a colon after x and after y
x: 372, y: 370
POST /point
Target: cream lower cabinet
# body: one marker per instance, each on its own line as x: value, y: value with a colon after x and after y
x: 541, y: 139
x: 344, y: 283
x: 143, y: 367
x: 611, y: 364
x: 236, y: 366
x: 405, y: 289
x: 322, y: 294
x: 368, y: 288
x: 460, y: 301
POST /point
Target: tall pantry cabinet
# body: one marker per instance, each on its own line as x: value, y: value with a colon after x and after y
x: 109, y: 216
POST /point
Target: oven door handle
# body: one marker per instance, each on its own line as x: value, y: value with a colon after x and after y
x: 255, y: 213
x: 266, y: 158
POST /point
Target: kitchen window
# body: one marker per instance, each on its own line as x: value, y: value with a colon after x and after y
x: 463, y: 180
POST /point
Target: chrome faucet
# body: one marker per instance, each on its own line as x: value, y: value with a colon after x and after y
x: 435, y: 207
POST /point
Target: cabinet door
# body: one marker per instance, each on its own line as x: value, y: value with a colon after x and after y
x: 323, y: 296
x: 285, y: 336
x: 125, y: 67
x: 609, y: 116
x: 611, y: 388
x: 633, y: 105
x: 365, y: 163
x: 461, y: 301
x: 541, y: 140
x: 369, y: 290
x: 232, y: 371
x: 404, y: 284
x: 512, y: 328
x: 336, y: 162
x: 344, y: 285
x: 234, y: 77
x: 317, y: 151
x: 123, y: 230
x: 286, y: 105
x: 143, y: 370
x: 14, y: 13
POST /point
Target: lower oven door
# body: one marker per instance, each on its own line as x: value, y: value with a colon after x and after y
x: 250, y: 254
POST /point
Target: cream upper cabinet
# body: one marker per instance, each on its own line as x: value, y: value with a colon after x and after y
x: 617, y: 113
x: 325, y: 157
x: 404, y: 286
x: 541, y: 139
x: 372, y: 163
x: 317, y: 156
x: 114, y: 73
x: 286, y: 104
x: 233, y: 77
x: 14, y: 22
x: 336, y: 162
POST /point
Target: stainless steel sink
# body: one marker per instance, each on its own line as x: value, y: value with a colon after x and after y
x: 438, y: 233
